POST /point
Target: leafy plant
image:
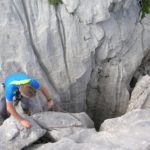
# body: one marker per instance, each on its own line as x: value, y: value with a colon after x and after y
x: 145, y: 8
x: 54, y: 2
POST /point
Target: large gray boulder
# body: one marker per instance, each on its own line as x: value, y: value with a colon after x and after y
x: 15, y: 136
x: 131, y: 131
x: 51, y: 120
x: 61, y: 125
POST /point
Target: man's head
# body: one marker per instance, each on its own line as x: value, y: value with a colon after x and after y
x: 27, y: 90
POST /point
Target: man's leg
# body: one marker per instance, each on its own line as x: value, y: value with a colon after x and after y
x: 1, y: 120
x: 3, y: 111
x: 25, y: 105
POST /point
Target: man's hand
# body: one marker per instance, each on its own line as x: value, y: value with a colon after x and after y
x: 25, y: 123
x: 50, y: 104
x: 12, y: 111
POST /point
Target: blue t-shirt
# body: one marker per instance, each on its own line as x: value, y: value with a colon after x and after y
x: 13, y: 81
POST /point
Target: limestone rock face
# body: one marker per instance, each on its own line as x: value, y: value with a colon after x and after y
x: 84, y: 51
x: 15, y: 136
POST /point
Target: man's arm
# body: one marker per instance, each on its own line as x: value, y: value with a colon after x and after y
x: 12, y: 111
x: 47, y: 96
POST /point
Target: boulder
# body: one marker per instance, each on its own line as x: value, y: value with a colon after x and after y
x: 61, y: 125
x: 51, y: 120
x: 15, y: 136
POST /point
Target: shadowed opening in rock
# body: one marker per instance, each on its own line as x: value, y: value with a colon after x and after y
x: 43, y: 140
x: 133, y: 82
x: 142, y: 70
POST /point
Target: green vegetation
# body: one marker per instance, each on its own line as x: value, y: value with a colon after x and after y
x: 54, y: 2
x: 145, y: 8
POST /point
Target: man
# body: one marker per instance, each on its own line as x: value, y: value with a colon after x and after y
x: 22, y: 87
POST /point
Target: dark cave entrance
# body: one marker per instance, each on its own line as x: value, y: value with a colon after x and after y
x: 142, y: 70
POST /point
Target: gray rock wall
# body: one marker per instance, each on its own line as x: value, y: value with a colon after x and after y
x: 85, y: 52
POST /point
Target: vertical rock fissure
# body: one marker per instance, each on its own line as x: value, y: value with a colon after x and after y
x: 142, y: 36
x: 119, y: 78
x: 43, y: 67
x: 61, y: 31
x: 63, y: 39
x: 96, y: 64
